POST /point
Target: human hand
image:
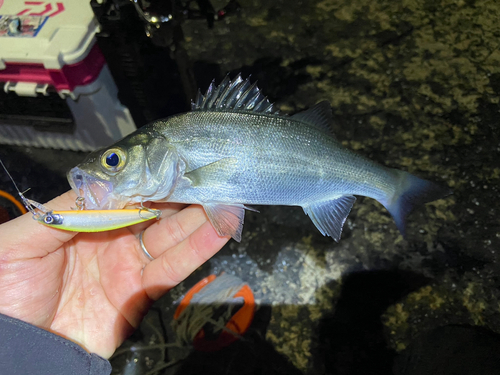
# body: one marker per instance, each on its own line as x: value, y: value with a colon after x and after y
x: 95, y: 288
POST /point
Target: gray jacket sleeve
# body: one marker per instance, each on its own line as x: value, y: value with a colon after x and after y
x: 26, y: 349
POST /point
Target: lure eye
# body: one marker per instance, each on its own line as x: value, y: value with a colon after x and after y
x: 52, y: 219
x: 113, y: 160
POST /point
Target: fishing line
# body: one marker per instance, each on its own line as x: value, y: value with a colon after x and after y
x: 26, y: 201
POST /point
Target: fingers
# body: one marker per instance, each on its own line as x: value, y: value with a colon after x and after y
x: 172, y: 230
x: 178, y: 262
x: 24, y: 238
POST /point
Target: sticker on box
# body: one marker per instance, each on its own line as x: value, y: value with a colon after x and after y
x: 21, y: 26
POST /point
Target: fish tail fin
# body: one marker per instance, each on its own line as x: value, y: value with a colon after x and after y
x: 411, y: 192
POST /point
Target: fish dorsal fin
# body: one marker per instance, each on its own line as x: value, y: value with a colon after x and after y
x: 320, y: 116
x: 238, y: 94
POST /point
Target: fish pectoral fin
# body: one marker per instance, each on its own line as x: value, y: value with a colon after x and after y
x: 329, y: 216
x: 226, y: 219
x: 213, y: 173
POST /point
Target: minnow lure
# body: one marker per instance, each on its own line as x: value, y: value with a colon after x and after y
x: 81, y: 220
x: 91, y: 220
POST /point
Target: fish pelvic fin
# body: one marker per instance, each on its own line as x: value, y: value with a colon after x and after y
x: 329, y: 216
x: 226, y: 219
x: 411, y: 193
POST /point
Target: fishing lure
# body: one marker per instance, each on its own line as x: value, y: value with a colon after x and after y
x: 81, y: 220
x: 96, y: 220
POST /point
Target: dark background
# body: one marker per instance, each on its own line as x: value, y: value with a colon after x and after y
x: 414, y: 85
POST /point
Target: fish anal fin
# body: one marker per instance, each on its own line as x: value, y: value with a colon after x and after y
x: 226, y: 219
x: 213, y: 173
x: 329, y: 216
x: 320, y: 116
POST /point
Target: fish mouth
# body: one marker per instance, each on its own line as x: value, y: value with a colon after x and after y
x: 98, y: 194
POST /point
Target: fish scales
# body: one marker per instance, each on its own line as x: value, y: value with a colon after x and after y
x: 298, y: 172
x: 233, y: 149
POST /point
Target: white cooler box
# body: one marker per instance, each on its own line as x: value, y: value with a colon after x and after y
x: 50, y: 47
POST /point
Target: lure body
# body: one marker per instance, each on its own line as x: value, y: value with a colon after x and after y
x: 96, y: 220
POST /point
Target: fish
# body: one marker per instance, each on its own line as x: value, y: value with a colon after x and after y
x: 234, y: 150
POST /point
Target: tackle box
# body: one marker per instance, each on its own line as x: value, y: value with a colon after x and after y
x: 57, y: 89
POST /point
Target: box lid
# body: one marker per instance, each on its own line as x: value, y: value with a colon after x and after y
x: 52, y: 33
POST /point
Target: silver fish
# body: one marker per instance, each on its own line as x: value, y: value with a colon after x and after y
x: 234, y: 149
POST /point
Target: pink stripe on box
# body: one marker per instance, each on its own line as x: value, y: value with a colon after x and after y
x: 79, y: 74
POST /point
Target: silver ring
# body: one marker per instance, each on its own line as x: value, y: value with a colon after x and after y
x: 146, y: 252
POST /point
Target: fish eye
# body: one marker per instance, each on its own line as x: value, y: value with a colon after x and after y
x: 113, y: 160
x: 48, y: 219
